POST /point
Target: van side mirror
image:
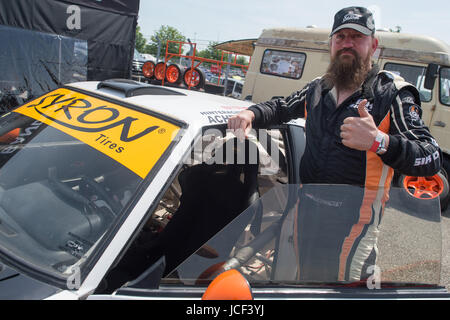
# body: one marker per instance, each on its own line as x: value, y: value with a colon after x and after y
x: 430, y: 76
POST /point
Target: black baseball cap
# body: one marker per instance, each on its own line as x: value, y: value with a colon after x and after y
x: 357, y: 18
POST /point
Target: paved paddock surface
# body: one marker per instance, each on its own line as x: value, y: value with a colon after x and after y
x: 410, y: 248
x: 445, y: 274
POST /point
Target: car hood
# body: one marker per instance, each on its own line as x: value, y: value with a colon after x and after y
x: 17, y: 286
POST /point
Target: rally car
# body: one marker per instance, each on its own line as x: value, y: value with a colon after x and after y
x: 124, y: 190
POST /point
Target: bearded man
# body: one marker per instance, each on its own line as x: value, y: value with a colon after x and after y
x: 361, y: 125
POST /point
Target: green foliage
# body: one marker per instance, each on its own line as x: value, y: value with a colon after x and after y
x: 140, y: 40
x: 210, y: 52
x: 242, y: 60
x: 164, y: 34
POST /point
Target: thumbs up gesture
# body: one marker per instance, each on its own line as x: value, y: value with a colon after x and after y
x: 359, y: 132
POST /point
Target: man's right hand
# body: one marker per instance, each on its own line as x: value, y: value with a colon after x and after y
x: 241, y: 124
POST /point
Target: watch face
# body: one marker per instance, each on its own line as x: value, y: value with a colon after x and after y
x: 382, y: 146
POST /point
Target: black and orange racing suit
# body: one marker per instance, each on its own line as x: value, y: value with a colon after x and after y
x: 395, y: 108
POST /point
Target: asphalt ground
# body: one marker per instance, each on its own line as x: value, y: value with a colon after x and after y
x: 445, y: 271
x: 414, y: 242
x: 413, y: 249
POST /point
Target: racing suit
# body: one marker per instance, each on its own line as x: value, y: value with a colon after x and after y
x: 395, y: 108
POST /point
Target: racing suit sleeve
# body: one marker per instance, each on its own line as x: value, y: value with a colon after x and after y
x: 281, y: 110
x: 412, y: 150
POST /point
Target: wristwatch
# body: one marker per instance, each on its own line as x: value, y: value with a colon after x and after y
x: 379, y: 144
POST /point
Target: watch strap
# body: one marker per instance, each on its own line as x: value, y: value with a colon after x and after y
x: 376, y: 143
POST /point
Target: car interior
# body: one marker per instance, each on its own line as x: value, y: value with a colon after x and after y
x: 203, y: 198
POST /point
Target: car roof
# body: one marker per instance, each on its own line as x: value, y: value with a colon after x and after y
x: 195, y: 108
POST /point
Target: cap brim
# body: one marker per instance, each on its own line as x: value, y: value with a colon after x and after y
x: 353, y: 26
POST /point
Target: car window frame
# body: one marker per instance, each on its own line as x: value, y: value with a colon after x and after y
x: 148, y: 292
x: 176, y: 292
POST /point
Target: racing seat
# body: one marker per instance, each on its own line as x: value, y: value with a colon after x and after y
x: 212, y: 196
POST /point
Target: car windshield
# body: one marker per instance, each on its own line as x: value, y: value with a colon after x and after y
x: 138, y: 56
x: 70, y: 166
x: 327, y: 243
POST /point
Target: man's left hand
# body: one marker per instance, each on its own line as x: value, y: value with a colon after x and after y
x: 359, y: 132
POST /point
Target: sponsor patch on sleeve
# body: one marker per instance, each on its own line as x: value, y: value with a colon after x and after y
x: 408, y: 100
x: 135, y: 139
x: 414, y: 113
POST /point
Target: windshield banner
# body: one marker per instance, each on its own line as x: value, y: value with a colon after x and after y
x: 134, y: 139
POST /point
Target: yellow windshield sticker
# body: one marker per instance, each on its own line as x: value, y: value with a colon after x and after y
x: 134, y: 139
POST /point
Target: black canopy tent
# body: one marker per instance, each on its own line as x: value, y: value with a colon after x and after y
x: 46, y: 43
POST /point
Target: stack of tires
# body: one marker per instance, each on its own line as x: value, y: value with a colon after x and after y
x: 194, y: 78
x: 174, y: 74
x: 148, y: 69
x: 160, y: 70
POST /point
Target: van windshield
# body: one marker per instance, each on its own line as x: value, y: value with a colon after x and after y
x: 414, y: 75
x: 444, y: 87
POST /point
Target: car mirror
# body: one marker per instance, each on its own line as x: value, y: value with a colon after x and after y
x: 229, y: 285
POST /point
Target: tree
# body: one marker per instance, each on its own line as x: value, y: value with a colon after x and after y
x: 140, y: 42
x: 164, y: 34
x: 242, y: 60
x: 210, y: 52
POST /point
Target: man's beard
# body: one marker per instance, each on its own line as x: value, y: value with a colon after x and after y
x: 347, y: 74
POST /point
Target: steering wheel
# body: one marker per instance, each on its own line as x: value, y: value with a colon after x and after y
x: 115, y: 205
x: 68, y: 191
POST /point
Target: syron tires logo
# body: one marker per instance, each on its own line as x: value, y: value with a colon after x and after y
x: 135, y: 139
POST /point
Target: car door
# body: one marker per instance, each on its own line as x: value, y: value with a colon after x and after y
x: 271, y: 167
x: 406, y: 269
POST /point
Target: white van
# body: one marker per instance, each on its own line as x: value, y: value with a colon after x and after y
x: 286, y: 59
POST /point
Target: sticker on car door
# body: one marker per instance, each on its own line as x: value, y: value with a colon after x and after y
x: 135, y: 139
